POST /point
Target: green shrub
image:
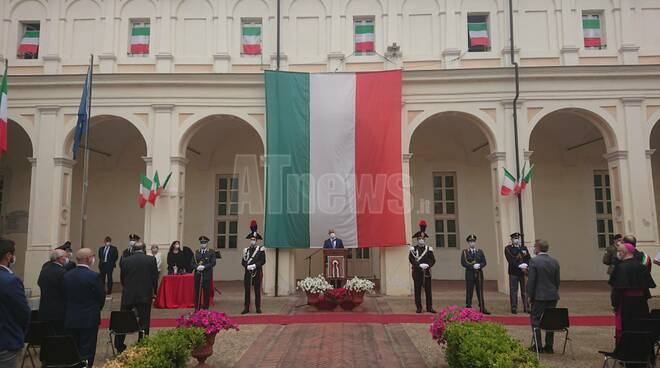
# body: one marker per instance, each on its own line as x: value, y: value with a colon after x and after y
x: 485, y: 345
x: 165, y: 349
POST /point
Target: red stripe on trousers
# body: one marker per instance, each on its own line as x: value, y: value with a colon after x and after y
x: 378, y: 162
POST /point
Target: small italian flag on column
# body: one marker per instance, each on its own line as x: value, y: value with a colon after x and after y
x: 508, y: 184
x: 145, y: 191
x: 3, y: 113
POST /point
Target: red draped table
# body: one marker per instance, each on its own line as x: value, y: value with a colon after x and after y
x: 177, y: 291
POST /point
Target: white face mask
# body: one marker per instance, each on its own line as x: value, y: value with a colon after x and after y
x: 176, y: 246
x: 107, y: 243
x: 332, y: 235
x: 203, y: 245
x: 420, y: 242
x: 253, y: 243
x: 472, y: 244
x: 154, y: 251
x: 66, y: 260
x: 516, y: 241
x: 131, y: 243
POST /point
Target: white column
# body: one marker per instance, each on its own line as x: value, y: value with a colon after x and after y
x: 49, y: 196
x: 176, y: 191
x: 505, y: 214
x: 164, y: 57
x: 53, y: 29
x: 107, y: 56
x: 570, y: 33
x: 629, y: 35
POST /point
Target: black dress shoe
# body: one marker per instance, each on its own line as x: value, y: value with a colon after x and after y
x: 513, y: 311
x: 245, y: 311
x: 485, y: 312
x: 431, y: 310
x: 419, y: 310
x: 259, y: 311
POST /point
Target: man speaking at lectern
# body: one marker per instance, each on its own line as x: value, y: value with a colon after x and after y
x: 333, y: 242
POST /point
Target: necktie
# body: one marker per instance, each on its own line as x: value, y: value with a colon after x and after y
x: 105, y: 254
x: 334, y: 244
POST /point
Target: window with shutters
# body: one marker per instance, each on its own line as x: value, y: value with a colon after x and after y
x: 445, y: 210
x: 603, y: 198
x: 226, y: 212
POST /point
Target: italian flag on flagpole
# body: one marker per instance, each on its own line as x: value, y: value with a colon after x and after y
x: 154, y: 189
x: 145, y: 190
x: 333, y: 159
x: 508, y: 184
x: 3, y: 113
x: 525, y: 179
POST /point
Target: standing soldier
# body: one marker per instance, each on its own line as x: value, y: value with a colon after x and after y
x: 421, y: 258
x: 518, y: 257
x: 254, y: 257
x: 203, y: 263
x: 132, y: 239
x: 474, y: 261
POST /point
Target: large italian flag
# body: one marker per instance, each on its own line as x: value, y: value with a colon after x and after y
x: 334, y: 159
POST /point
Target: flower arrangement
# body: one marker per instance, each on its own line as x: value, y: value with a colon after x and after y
x: 339, y: 296
x: 211, y: 321
x: 357, y: 285
x: 314, y: 285
x: 452, y: 314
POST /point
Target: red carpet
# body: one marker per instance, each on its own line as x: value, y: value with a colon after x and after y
x: 277, y: 319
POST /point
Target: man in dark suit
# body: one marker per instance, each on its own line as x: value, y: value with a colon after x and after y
x: 108, y: 255
x: 474, y: 261
x: 518, y: 257
x: 542, y: 290
x: 85, y: 297
x: 52, y: 303
x: 254, y: 257
x: 139, y: 281
x: 203, y: 263
x: 333, y: 242
x: 14, y: 308
x: 421, y: 259
x: 132, y: 239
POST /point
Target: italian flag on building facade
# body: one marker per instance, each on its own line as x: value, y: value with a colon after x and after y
x: 478, y: 34
x: 334, y: 159
x: 145, y: 191
x: 591, y: 30
x: 364, y: 36
x: 3, y: 113
x: 140, y: 39
x: 29, y: 43
x: 251, y: 39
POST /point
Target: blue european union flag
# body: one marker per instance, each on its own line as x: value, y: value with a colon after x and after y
x: 83, y: 119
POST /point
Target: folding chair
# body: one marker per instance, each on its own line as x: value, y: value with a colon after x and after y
x: 651, y: 325
x: 553, y: 320
x: 122, y: 323
x: 60, y: 352
x: 633, y: 347
x: 36, y: 333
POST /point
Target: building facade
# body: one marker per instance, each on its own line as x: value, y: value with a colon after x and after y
x: 178, y: 87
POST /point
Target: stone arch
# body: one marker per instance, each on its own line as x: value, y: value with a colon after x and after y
x: 651, y: 124
x: 237, y: 2
x: 194, y: 123
x: 126, y: 2
x: 603, y: 121
x: 294, y: 2
x: 73, y: 3
x: 349, y: 2
x: 98, y: 118
x: 25, y: 127
x: 181, y: 2
x: 21, y: 2
x: 480, y: 119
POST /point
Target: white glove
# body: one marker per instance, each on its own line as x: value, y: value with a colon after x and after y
x: 477, y: 266
x: 522, y: 266
x: 200, y: 268
x: 251, y: 267
x: 423, y: 266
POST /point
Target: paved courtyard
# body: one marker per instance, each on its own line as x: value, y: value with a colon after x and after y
x: 318, y: 343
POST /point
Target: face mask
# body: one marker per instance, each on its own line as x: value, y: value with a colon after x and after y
x: 253, y: 243
x: 154, y: 251
x: 619, y: 256
x: 176, y: 246
x: 131, y: 243
x: 332, y: 235
x: 66, y: 260
x: 516, y: 241
x: 420, y: 242
x: 107, y: 243
x: 203, y: 245
x: 472, y: 244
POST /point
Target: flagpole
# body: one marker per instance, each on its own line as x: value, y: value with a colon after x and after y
x: 83, y: 210
x: 277, y: 250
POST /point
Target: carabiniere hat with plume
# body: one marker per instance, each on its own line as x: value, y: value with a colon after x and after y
x: 422, y: 231
x: 253, y: 231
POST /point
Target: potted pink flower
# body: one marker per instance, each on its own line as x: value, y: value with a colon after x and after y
x: 212, y: 322
x: 452, y: 314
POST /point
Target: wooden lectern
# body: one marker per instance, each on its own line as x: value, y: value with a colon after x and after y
x: 335, y: 266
